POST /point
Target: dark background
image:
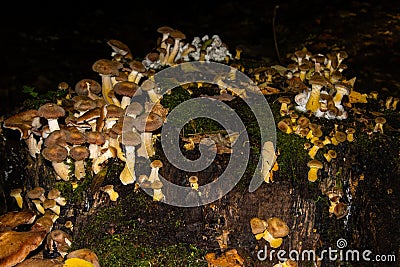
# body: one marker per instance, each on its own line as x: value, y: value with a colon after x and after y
x: 44, y: 43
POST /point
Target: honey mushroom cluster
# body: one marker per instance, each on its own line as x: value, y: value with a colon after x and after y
x: 17, y: 246
x: 273, y: 230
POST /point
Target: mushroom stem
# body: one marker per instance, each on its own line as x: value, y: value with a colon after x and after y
x: 313, y: 174
x: 313, y: 101
x: 110, y: 153
x: 79, y: 169
x: 158, y: 195
x: 106, y: 87
x: 128, y: 176
x: 61, y: 170
x: 53, y: 125
x: 146, y: 148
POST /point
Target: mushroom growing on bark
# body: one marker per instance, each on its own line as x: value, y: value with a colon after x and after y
x: 157, y: 192
x: 127, y: 90
x: 88, y: 87
x: 107, y: 68
x: 317, y: 83
x: 155, y: 166
x: 79, y: 154
x: 51, y: 112
x: 57, y: 154
x: 314, y: 166
x: 130, y: 140
x: 16, y: 193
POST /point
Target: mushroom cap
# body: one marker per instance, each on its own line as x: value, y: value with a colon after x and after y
x: 12, y: 219
x: 303, y: 121
x: 148, y: 122
x: 119, y: 47
x: 318, y: 80
x: 156, y: 184
x: 53, y: 193
x: 75, y: 137
x: 156, y: 164
x: 134, y: 108
x: 283, y: 126
x: 126, y: 88
x: 178, y: 35
x: 107, y: 67
x: 35, y: 192
x: 83, y: 103
x: 113, y: 111
x: 83, y: 87
x: 342, y: 87
x: 137, y: 65
x: 257, y: 225
x: 284, y: 99
x: 380, y: 120
x: 36, y: 262
x: 277, y: 227
x: 57, y: 137
x: 340, y: 210
x: 340, y: 136
x: 131, y: 138
x: 193, y: 179
x: 79, y: 152
x: 148, y: 85
x: 95, y: 137
x: 84, y: 254
x: 165, y: 29
x: 332, y: 153
x: 21, y: 121
x: 15, y: 246
x: 51, y: 111
x: 49, y: 203
x: 55, y: 153
x: 315, y: 164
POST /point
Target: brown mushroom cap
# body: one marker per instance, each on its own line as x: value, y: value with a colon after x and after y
x: 134, y: 109
x: 79, y: 152
x: 332, y: 153
x: 12, y: 219
x: 137, y: 66
x: 257, y: 225
x: 49, y: 203
x: 21, y: 122
x: 53, y: 193
x: 35, y: 192
x: 340, y: 136
x: 156, y: 184
x: 277, y: 227
x: 177, y: 35
x: 58, y: 137
x: 55, y: 153
x: 83, y: 87
x: 83, y: 103
x: 148, y: 122
x: 126, y: 88
x: 95, y: 137
x: 156, y: 164
x: 318, y: 80
x: 119, y: 47
x: 75, y: 137
x: 380, y: 120
x: 51, y: 111
x: 193, y: 179
x: 107, y: 67
x: 131, y: 138
x: 165, y: 30
x: 315, y: 164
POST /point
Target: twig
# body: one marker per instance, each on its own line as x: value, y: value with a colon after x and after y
x: 274, y: 32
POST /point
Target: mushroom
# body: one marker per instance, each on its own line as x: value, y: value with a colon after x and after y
x: 150, y: 87
x: 127, y: 90
x: 317, y: 144
x: 330, y: 154
x: 314, y: 166
x: 79, y: 154
x: 379, y: 122
x: 285, y: 127
x: 106, y: 68
x: 165, y: 31
x: 342, y: 89
x: 84, y: 254
x: 38, y: 205
x: 96, y: 140
x: 130, y: 140
x: 275, y: 230
x: 12, y: 219
x: 238, y: 51
x: 350, y: 134
x: 51, y: 204
x: 317, y: 83
x: 146, y: 148
x: 178, y: 36
x: 111, y: 152
x: 56, y: 195
x: 36, y: 193
x: 339, y: 137
x: 58, y: 240
x: 120, y: 48
x: 57, y: 154
x: 394, y: 103
x: 193, y: 181
x: 258, y: 227
x: 88, y: 87
x: 155, y: 166
x: 109, y: 189
x: 284, y: 109
x: 51, y: 112
x: 137, y: 71
x: 157, y: 192
x: 16, y: 193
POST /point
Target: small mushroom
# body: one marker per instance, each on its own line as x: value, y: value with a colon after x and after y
x: 330, y: 154
x: 51, y: 204
x: 109, y: 189
x: 51, y: 112
x: 317, y: 144
x: 79, y: 154
x: 107, y: 68
x: 58, y: 240
x: 193, y: 181
x: 150, y: 87
x: 130, y: 140
x: 275, y: 231
x: 56, y: 195
x: 57, y: 154
x: 36, y: 193
x: 350, y: 134
x: 284, y: 109
x: 127, y: 90
x: 317, y: 83
x: 16, y: 193
x: 155, y: 166
x: 157, y: 192
x: 314, y: 166
x: 379, y: 122
x: 111, y: 152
